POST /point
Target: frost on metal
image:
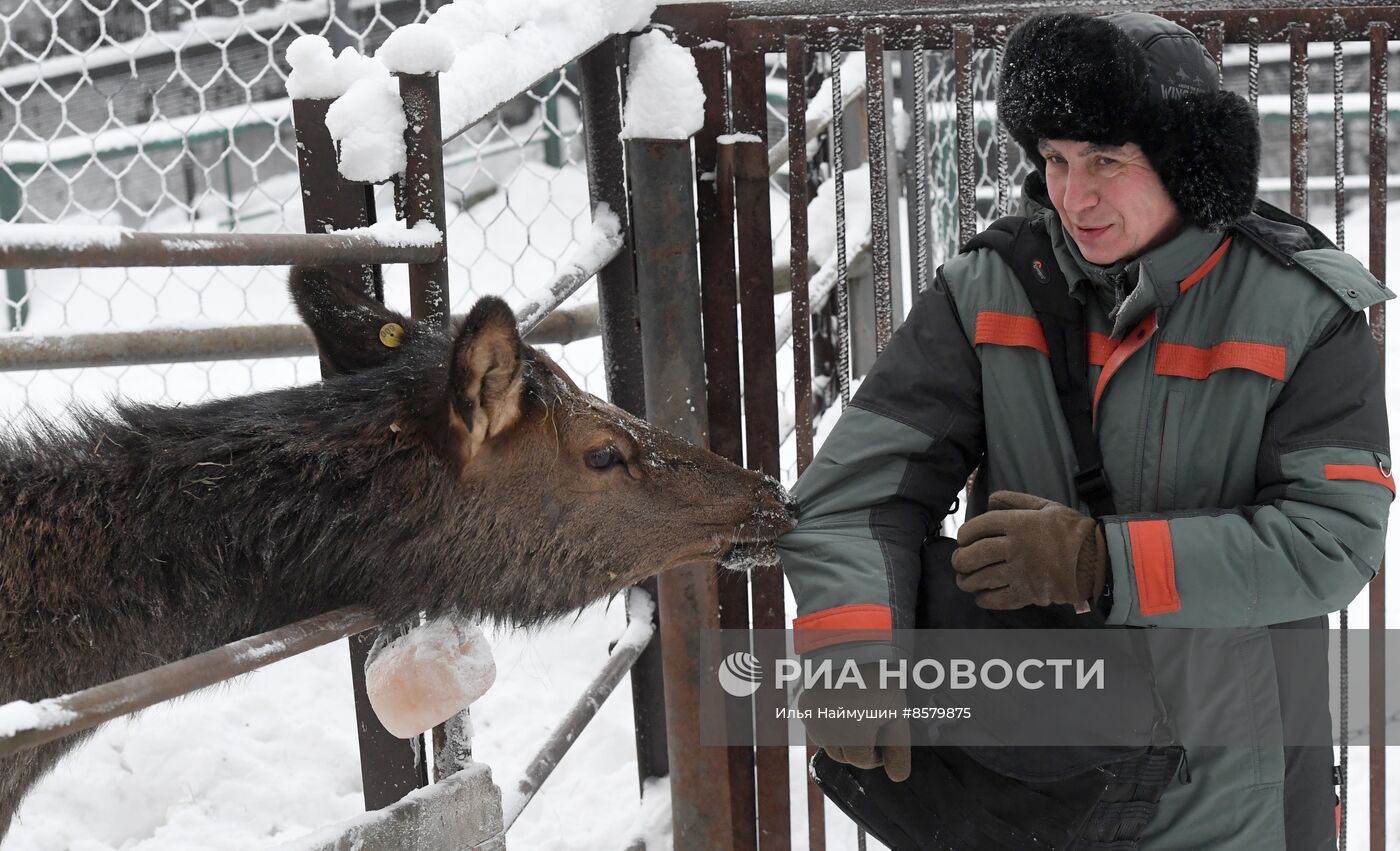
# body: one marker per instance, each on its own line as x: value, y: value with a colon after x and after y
x: 394, y: 233
x: 664, y: 97
x: 484, y: 54
x: 60, y: 237
x: 601, y: 244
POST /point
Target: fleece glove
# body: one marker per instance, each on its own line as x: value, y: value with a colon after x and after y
x: 1029, y: 551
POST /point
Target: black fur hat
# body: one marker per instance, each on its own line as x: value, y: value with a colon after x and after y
x: 1134, y: 77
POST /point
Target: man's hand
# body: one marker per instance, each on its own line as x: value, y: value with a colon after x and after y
x: 865, y: 742
x: 1029, y: 551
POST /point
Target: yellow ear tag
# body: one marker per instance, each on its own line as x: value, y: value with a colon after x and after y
x: 391, y: 334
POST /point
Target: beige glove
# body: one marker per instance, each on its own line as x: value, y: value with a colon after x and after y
x: 863, y: 742
x: 1029, y: 551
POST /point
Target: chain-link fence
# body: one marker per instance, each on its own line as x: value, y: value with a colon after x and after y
x: 174, y: 116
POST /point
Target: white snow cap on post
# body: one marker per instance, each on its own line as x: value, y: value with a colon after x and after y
x: 484, y: 51
x: 417, y: 49
x: 664, y: 97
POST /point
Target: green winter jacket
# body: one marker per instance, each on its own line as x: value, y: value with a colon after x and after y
x: 1241, y: 415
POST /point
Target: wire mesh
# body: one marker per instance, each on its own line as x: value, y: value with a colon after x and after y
x: 174, y: 116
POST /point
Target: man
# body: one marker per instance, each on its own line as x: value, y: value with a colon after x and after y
x: 1236, y: 401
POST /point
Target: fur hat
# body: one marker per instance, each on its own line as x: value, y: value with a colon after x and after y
x: 1134, y: 77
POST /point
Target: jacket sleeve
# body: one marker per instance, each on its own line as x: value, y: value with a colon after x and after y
x: 1315, y: 532
x: 883, y: 480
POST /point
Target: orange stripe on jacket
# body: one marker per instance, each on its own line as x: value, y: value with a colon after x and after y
x: 1009, y: 329
x: 1358, y: 473
x: 858, y: 622
x: 1195, y: 277
x: 1200, y: 363
x: 1154, y: 565
x: 1101, y: 347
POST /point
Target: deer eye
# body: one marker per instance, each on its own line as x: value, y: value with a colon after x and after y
x: 603, y: 459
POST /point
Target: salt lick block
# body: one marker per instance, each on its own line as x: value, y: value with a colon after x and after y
x: 428, y: 675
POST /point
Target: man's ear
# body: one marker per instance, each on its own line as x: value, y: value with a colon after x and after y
x: 353, y: 332
x: 486, y: 372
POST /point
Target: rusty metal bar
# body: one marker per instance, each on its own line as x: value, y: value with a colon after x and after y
x: 914, y: 70
x: 838, y: 176
x: 154, y: 345
x: 424, y: 197
x: 624, y: 654
x: 1252, y: 36
x: 714, y: 187
x: 1213, y: 38
x: 63, y: 247
x: 1380, y: 33
x: 797, y: 227
x: 1298, y: 119
x: 1003, y: 165
x: 1339, y: 194
x: 932, y: 25
x: 668, y: 289
x: 966, y: 133
x: 760, y: 399
x: 83, y: 710
x: 329, y: 202
x: 879, y: 184
x: 600, y: 85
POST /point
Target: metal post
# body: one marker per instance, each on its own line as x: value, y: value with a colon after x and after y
x: 714, y: 196
x: 760, y: 403
x: 1380, y: 34
x: 389, y: 767
x: 879, y: 184
x: 622, y: 350
x: 668, y: 300
x: 1298, y: 120
x: 424, y: 197
x: 966, y: 132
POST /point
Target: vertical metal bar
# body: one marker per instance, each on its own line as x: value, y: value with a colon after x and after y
x: 553, y: 142
x: 1003, y: 169
x: 797, y: 227
x: 16, y: 280
x: 601, y: 106
x: 452, y: 745
x: 424, y: 197
x: 1214, y: 40
x: 668, y: 300
x: 838, y: 175
x: 760, y: 402
x: 1253, y: 32
x: 879, y: 184
x: 389, y: 767
x: 1298, y: 119
x: 895, y: 226
x: 329, y: 203
x: 719, y: 292
x: 923, y: 274
x: 1379, y: 127
x: 801, y: 324
x: 1339, y: 172
x: 966, y: 133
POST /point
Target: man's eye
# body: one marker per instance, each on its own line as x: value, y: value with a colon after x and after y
x: 603, y: 459
x: 1107, y: 161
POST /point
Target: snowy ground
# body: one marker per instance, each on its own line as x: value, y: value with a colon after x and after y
x: 273, y: 755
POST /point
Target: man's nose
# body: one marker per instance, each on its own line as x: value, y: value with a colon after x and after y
x: 1081, y: 192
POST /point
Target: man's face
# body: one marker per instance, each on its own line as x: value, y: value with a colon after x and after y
x: 1109, y: 198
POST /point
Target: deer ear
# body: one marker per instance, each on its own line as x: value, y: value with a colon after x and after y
x: 486, y: 373
x: 353, y: 333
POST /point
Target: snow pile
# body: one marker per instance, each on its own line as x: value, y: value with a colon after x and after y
x: 319, y: 74
x: 394, y: 232
x: 664, y: 97
x: 426, y: 676
x: 417, y: 49
x: 494, y: 49
x: 21, y: 715
x: 821, y: 218
x: 653, y: 826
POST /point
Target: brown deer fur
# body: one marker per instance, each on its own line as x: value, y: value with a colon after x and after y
x: 458, y: 472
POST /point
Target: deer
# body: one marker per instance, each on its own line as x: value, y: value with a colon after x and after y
x: 431, y: 472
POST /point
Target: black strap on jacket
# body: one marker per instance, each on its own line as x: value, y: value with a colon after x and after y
x: 1024, y: 244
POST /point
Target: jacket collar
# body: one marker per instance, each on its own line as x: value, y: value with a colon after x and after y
x: 1130, y: 289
